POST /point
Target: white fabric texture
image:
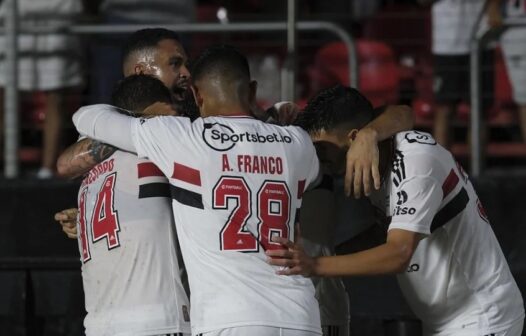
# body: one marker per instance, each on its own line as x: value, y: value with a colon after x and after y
x: 46, y: 61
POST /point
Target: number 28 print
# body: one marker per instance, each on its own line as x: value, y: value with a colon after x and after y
x: 273, y: 213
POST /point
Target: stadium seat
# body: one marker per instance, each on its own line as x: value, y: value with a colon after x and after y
x: 405, y: 27
x: 379, y: 76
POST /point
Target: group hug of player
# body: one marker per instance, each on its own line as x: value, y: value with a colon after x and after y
x: 191, y: 162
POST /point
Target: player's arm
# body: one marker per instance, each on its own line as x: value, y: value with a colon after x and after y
x: 420, y: 195
x: 105, y: 124
x: 363, y: 158
x: 82, y: 156
x: 390, y: 258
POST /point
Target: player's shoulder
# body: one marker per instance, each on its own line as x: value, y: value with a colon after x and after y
x: 162, y: 125
x: 419, y: 145
x: 414, y: 139
x: 295, y: 132
x: 168, y: 120
x: 417, y: 153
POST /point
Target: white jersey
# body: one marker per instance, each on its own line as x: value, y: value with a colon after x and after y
x: 127, y: 245
x: 453, y: 23
x: 515, y: 8
x: 513, y: 42
x: 458, y: 281
x: 235, y: 182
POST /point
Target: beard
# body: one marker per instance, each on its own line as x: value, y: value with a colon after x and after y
x: 180, y: 91
x: 187, y: 107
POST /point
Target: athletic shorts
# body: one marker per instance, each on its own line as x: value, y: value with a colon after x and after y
x: 513, y: 44
x: 335, y: 330
x: 259, y: 331
x: 451, y: 82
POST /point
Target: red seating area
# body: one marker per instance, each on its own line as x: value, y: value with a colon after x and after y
x: 394, y: 58
x: 395, y: 54
x: 378, y: 70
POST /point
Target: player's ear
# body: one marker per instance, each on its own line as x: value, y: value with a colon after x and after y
x: 351, y: 136
x: 139, y: 68
x: 252, y: 91
x: 197, y: 96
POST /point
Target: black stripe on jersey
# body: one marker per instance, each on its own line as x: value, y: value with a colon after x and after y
x: 398, y: 168
x: 298, y: 215
x: 331, y: 330
x: 450, y: 210
x: 187, y: 197
x: 154, y: 190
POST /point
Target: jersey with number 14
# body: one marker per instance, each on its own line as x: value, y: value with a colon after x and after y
x: 127, y: 246
x: 235, y: 182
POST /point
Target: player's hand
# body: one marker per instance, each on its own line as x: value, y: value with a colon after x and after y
x: 68, y: 220
x: 287, y: 112
x: 362, y: 174
x: 159, y: 109
x: 293, y: 257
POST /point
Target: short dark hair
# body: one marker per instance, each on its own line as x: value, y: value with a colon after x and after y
x: 224, y: 60
x: 136, y: 92
x: 334, y: 107
x: 145, y: 39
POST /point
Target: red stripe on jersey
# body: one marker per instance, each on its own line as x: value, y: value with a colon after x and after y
x: 186, y: 174
x: 450, y: 183
x: 148, y: 169
x: 301, y: 188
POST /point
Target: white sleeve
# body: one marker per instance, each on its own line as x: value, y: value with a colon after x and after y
x: 414, y: 204
x: 162, y: 140
x: 102, y: 122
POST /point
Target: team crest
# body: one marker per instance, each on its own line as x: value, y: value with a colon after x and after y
x: 421, y: 138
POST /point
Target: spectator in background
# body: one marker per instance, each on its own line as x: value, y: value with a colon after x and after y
x: 105, y: 53
x: 47, y: 62
x: 453, y: 23
x: 513, y: 43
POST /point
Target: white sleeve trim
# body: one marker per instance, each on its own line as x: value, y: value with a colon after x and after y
x: 101, y: 122
x: 410, y: 227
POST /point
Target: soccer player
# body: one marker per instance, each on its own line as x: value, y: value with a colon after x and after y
x: 439, y: 242
x: 151, y: 51
x: 158, y: 52
x: 127, y: 236
x: 235, y: 182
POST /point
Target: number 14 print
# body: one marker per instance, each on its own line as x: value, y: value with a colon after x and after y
x: 104, y: 223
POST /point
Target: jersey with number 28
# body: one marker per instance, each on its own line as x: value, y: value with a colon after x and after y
x: 127, y: 247
x: 235, y: 183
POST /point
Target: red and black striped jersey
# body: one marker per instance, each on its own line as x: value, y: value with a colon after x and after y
x: 235, y: 183
x: 128, y: 251
x: 458, y: 281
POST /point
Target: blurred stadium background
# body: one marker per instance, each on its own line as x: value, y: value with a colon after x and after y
x: 306, y: 40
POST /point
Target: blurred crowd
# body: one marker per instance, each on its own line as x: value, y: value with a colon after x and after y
x: 413, y: 52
